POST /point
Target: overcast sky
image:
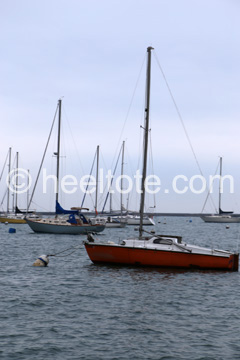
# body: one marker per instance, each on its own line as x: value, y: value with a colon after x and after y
x: 92, y: 53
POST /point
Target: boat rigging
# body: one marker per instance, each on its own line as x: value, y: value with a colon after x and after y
x: 157, y: 250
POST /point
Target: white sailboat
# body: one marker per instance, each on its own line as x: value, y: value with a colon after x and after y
x: 15, y: 216
x: 108, y: 221
x: 135, y: 220
x: 222, y: 216
x: 129, y: 219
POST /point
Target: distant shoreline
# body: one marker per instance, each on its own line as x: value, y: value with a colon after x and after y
x: 149, y: 214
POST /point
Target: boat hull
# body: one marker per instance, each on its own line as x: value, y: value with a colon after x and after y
x: 220, y: 219
x: 115, y: 224
x: 136, y: 221
x: 41, y: 227
x: 112, y: 254
x: 5, y: 219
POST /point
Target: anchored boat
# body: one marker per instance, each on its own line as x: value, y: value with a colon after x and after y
x: 157, y: 250
x: 70, y: 222
x: 222, y: 216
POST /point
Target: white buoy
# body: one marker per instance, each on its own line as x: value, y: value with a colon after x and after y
x: 227, y: 227
x: 43, y: 260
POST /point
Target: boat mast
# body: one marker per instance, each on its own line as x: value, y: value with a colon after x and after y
x: 146, y: 131
x: 28, y: 189
x: 110, y: 203
x: 16, y: 182
x: 58, y: 144
x: 220, y: 187
x: 9, y: 181
x: 122, y: 165
x: 96, y: 197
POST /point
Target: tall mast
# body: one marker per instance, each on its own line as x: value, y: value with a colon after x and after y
x: 28, y: 189
x: 146, y: 131
x: 220, y: 187
x: 122, y: 165
x: 96, y: 197
x: 16, y: 182
x: 58, y: 144
x: 9, y: 181
x: 110, y: 202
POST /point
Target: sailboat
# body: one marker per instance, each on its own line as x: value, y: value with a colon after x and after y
x: 120, y: 220
x: 157, y: 250
x: 109, y: 221
x: 112, y: 221
x: 15, y: 216
x: 135, y: 220
x: 73, y: 221
x: 12, y: 218
x: 222, y: 216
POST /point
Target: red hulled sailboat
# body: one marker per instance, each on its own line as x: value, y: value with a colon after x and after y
x: 157, y: 250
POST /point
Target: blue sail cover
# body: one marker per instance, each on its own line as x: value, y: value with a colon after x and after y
x: 72, y: 220
x: 60, y: 210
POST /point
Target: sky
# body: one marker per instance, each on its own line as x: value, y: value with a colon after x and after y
x: 92, y: 55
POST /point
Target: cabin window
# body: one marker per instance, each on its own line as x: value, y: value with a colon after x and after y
x: 163, y: 241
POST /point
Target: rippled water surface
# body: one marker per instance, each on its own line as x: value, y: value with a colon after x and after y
x: 73, y: 309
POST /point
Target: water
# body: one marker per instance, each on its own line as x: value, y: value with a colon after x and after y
x: 76, y: 310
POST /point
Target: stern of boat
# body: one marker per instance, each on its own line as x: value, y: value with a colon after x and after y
x: 235, y: 262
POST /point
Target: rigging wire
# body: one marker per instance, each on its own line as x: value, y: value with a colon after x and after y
x: 4, y: 195
x: 63, y: 251
x: 132, y: 169
x: 89, y: 180
x: 178, y: 112
x: 151, y: 159
x: 74, y: 142
x: 7, y: 186
x: 40, y: 206
x: 210, y: 188
x: 4, y: 166
x: 34, y: 188
x: 181, y: 120
x: 105, y: 167
x: 129, y: 108
x: 112, y: 177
